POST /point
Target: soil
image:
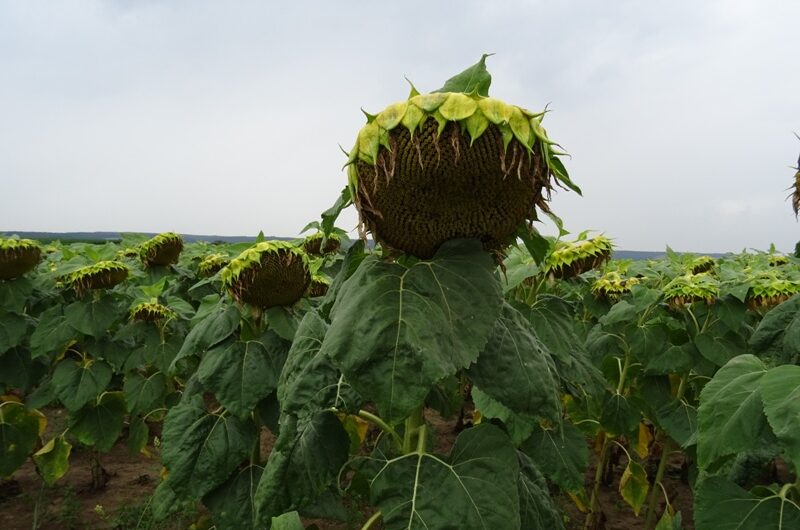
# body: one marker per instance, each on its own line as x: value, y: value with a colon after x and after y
x: 72, y: 505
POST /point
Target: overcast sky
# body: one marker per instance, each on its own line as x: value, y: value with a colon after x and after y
x: 211, y: 117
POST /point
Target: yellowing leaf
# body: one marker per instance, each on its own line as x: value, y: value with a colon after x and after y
x: 391, y: 115
x: 476, y: 125
x: 520, y: 126
x: 579, y: 498
x: 52, y: 460
x: 476, y: 417
x: 634, y: 486
x: 458, y: 107
x: 429, y: 102
x: 645, y: 439
x: 413, y: 117
x: 496, y: 111
x: 368, y: 142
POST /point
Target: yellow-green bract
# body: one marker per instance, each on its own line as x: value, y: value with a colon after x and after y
x: 212, y: 263
x: 18, y: 256
x: 270, y: 273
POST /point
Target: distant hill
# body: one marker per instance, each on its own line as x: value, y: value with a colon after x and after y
x: 102, y: 237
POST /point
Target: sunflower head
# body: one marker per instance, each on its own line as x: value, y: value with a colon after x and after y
x: 151, y: 312
x: 268, y: 274
x: 313, y: 244
x: 570, y: 259
x: 768, y: 289
x: 101, y: 275
x: 163, y: 249
x: 688, y: 288
x: 612, y: 285
x: 212, y: 264
x: 18, y: 256
x: 450, y: 164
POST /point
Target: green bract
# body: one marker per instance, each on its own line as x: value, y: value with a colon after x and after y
x: 313, y: 244
x: 211, y: 264
x: 151, y: 312
x: 690, y: 288
x: 451, y: 164
x: 569, y: 259
x: 612, y: 285
x: 162, y: 249
x: 776, y: 260
x: 270, y: 273
x: 101, y: 275
x: 18, y: 256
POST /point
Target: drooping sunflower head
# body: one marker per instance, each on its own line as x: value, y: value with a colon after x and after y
x: 268, y: 274
x: 701, y: 264
x: 612, y: 285
x: 314, y: 247
x: 319, y: 285
x: 18, y: 256
x: 151, y: 312
x: 449, y: 164
x: 572, y: 258
x: 161, y: 250
x: 101, y: 275
x: 212, y: 264
x: 777, y: 260
x: 768, y: 289
x: 688, y: 288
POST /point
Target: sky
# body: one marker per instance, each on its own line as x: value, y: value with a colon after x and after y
x: 226, y: 118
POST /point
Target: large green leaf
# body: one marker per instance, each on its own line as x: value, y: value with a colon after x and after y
x: 475, y: 488
x: 722, y: 505
x: 518, y: 426
x: 778, y: 333
x: 514, y: 369
x: 287, y: 521
x: 719, y: 348
x: 396, y: 330
x: 18, y: 370
x: 201, y: 449
x: 144, y: 393
x: 19, y: 432
x: 536, y: 508
x: 15, y: 295
x: 474, y: 79
x: 13, y: 329
x: 78, y: 382
x: 306, y: 460
x: 95, y: 317
x: 679, y: 420
x: 309, y: 381
x: 731, y: 416
x: 231, y: 504
x: 51, y: 334
x: 780, y: 392
x: 214, y: 322
x: 52, y: 460
x: 618, y: 416
x: 99, y: 424
x: 241, y: 374
x: 561, y: 454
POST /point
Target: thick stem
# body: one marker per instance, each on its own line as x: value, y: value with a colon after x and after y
x: 411, y: 427
x: 666, y: 449
x: 98, y: 473
x: 385, y: 427
x: 255, y: 456
x: 594, y: 504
